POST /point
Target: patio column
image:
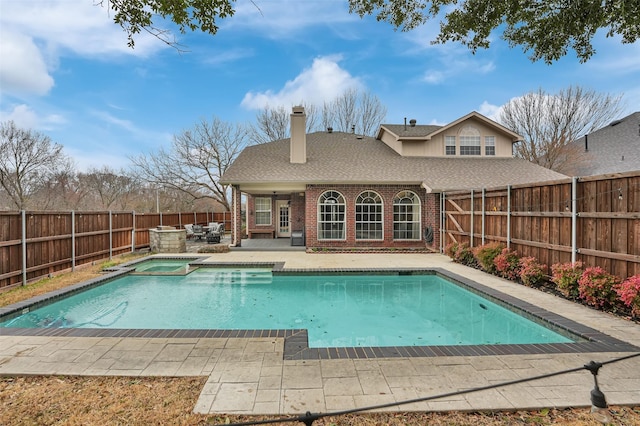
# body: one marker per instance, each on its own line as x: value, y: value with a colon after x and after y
x: 236, y: 221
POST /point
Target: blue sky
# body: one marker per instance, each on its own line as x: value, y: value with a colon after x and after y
x: 66, y: 71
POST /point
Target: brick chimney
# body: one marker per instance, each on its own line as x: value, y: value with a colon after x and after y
x: 298, y: 135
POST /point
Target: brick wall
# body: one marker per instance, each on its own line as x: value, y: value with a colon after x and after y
x: 430, y: 206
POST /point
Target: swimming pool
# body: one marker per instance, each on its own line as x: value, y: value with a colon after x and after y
x: 364, y: 309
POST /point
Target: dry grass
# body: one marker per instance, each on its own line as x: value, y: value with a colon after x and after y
x: 36, y: 400
x: 170, y: 401
x: 82, y: 273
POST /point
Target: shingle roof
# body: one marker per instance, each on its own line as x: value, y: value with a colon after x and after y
x: 609, y: 145
x: 346, y: 158
x: 401, y: 130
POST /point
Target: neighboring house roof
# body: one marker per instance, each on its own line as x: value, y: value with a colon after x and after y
x: 403, y: 131
x: 346, y: 158
x: 614, y: 148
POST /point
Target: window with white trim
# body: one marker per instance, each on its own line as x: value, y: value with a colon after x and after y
x: 331, y: 216
x: 369, y: 216
x: 450, y: 145
x: 469, y: 141
x: 489, y: 145
x: 263, y: 211
x: 406, y: 216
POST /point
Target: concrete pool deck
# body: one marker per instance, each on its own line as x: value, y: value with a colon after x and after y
x: 251, y: 376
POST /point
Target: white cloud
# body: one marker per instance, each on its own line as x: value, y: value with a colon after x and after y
x: 323, y: 81
x: 25, y: 117
x: 490, y: 111
x: 36, y: 33
x: 81, y: 27
x: 222, y: 58
x: 23, y: 69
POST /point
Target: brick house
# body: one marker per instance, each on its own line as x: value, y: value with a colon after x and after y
x: 344, y: 190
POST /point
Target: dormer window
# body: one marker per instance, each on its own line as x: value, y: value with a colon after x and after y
x: 469, y: 141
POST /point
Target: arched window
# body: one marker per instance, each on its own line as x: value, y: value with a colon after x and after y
x: 406, y: 216
x: 369, y: 216
x: 331, y: 216
x: 469, y: 141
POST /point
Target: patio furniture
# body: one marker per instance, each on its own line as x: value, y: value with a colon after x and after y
x: 215, y: 232
x: 189, y: 228
x: 297, y: 238
x: 198, y: 231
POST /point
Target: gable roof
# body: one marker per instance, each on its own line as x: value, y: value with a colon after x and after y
x: 426, y: 132
x: 614, y: 148
x: 346, y: 158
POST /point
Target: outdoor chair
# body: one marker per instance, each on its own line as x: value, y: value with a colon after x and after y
x: 216, y: 232
x: 198, y: 231
x: 189, y: 228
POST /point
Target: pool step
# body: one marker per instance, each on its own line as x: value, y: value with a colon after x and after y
x: 208, y: 275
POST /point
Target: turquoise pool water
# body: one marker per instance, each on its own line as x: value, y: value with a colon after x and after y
x: 163, y: 266
x: 337, y: 310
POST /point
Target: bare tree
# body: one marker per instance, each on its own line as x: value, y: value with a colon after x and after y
x: 351, y: 111
x: 550, y: 122
x: 112, y: 189
x: 28, y: 159
x: 370, y: 114
x: 196, y: 160
x: 273, y: 123
x: 354, y: 111
x: 344, y: 111
x: 61, y: 191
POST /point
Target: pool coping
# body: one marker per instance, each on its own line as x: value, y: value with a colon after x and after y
x: 296, y: 345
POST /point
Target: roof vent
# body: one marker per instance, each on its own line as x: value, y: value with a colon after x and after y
x: 412, y: 122
x: 329, y: 129
x: 353, y: 128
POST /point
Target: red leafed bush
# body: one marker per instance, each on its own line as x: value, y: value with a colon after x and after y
x: 507, y: 264
x: 596, y: 287
x: 629, y: 293
x: 531, y: 271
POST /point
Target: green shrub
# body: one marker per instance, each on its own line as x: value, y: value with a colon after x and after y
x: 565, y: 276
x: 450, y: 250
x: 464, y: 255
x: 485, y: 254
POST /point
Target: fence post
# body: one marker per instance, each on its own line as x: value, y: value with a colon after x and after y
x: 73, y: 240
x: 483, y: 214
x: 574, y: 218
x: 133, y: 231
x: 472, y: 220
x: 508, y: 216
x: 160, y: 218
x: 24, y: 247
x: 110, y: 235
x: 180, y: 219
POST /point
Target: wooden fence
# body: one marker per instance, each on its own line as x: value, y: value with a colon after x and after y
x: 594, y: 219
x: 36, y: 244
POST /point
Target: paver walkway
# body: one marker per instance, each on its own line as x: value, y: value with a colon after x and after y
x: 249, y: 375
